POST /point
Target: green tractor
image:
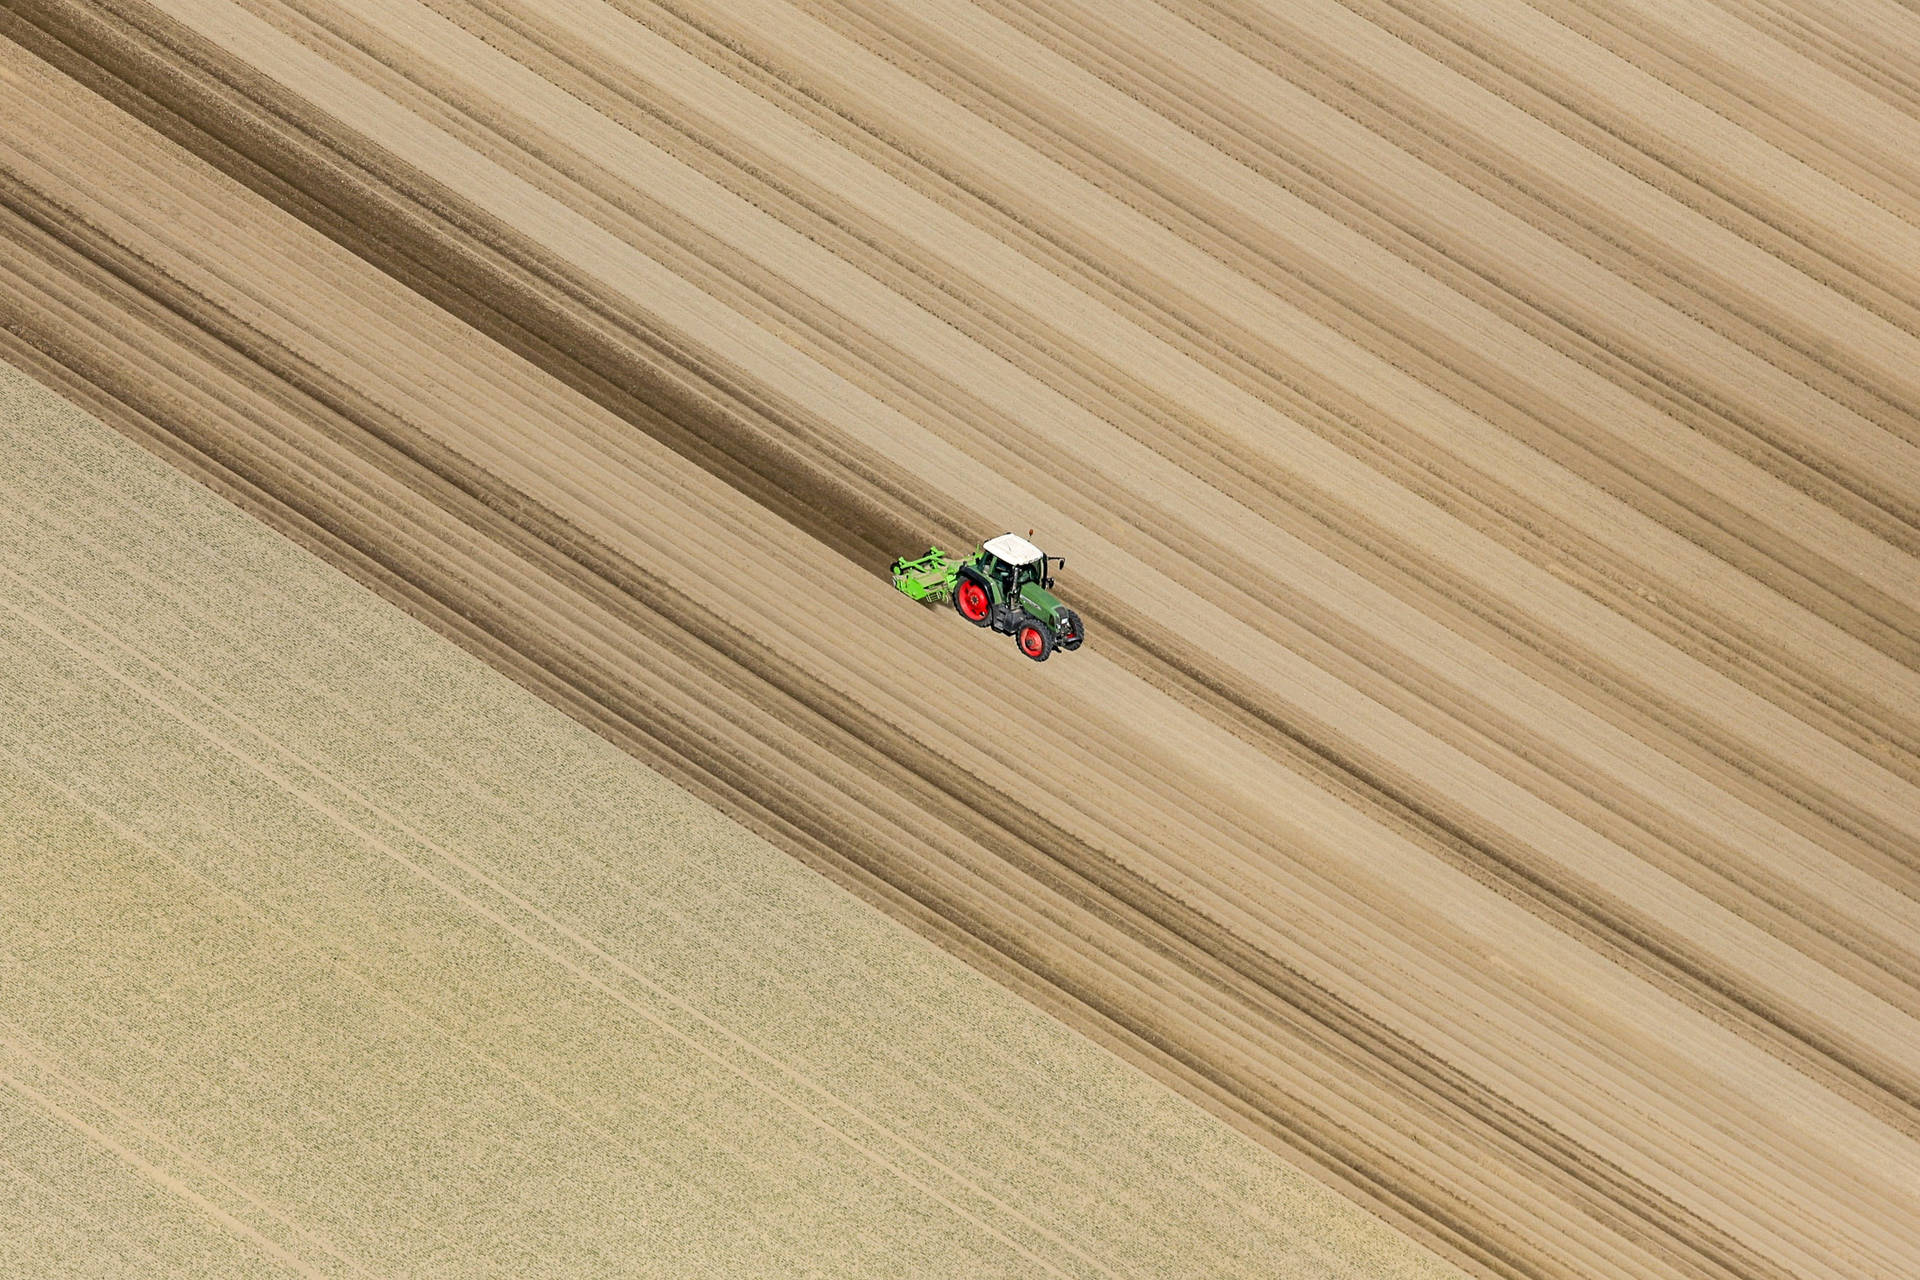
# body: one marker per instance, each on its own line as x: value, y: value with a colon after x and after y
x: 1005, y: 584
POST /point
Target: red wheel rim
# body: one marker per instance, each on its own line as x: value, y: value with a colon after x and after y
x: 973, y: 601
x: 1030, y: 641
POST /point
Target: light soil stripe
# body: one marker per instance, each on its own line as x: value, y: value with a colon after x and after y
x: 1826, y: 110
x: 1122, y: 120
x: 1813, y: 869
x: 660, y: 283
x: 1320, y: 462
x: 1616, y: 86
x: 626, y: 231
x: 1844, y: 779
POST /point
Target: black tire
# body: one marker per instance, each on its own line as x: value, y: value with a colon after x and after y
x: 962, y: 599
x: 1033, y: 638
x: 1071, y: 633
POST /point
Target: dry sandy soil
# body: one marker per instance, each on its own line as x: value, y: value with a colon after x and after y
x: 326, y: 950
x: 1483, y: 437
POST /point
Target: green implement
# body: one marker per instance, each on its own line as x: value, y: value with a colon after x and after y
x: 930, y: 577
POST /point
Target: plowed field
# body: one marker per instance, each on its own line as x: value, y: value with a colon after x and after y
x: 1483, y: 438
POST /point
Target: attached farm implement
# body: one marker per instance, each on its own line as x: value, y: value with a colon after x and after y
x: 1005, y: 584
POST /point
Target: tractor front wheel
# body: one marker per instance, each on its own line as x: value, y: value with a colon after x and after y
x: 1034, y: 640
x: 1070, y: 633
x: 972, y: 602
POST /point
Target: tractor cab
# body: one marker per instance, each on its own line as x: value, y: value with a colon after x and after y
x: 1015, y: 562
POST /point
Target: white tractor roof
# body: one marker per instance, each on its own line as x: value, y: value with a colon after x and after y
x: 1013, y: 548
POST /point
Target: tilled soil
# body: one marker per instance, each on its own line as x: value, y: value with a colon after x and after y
x: 1481, y: 436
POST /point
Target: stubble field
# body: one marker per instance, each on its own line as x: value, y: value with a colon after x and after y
x: 1482, y: 436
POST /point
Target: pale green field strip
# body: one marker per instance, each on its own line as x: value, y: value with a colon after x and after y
x: 325, y: 949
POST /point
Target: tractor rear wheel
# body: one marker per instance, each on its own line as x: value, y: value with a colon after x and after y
x: 1034, y: 639
x: 972, y: 602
